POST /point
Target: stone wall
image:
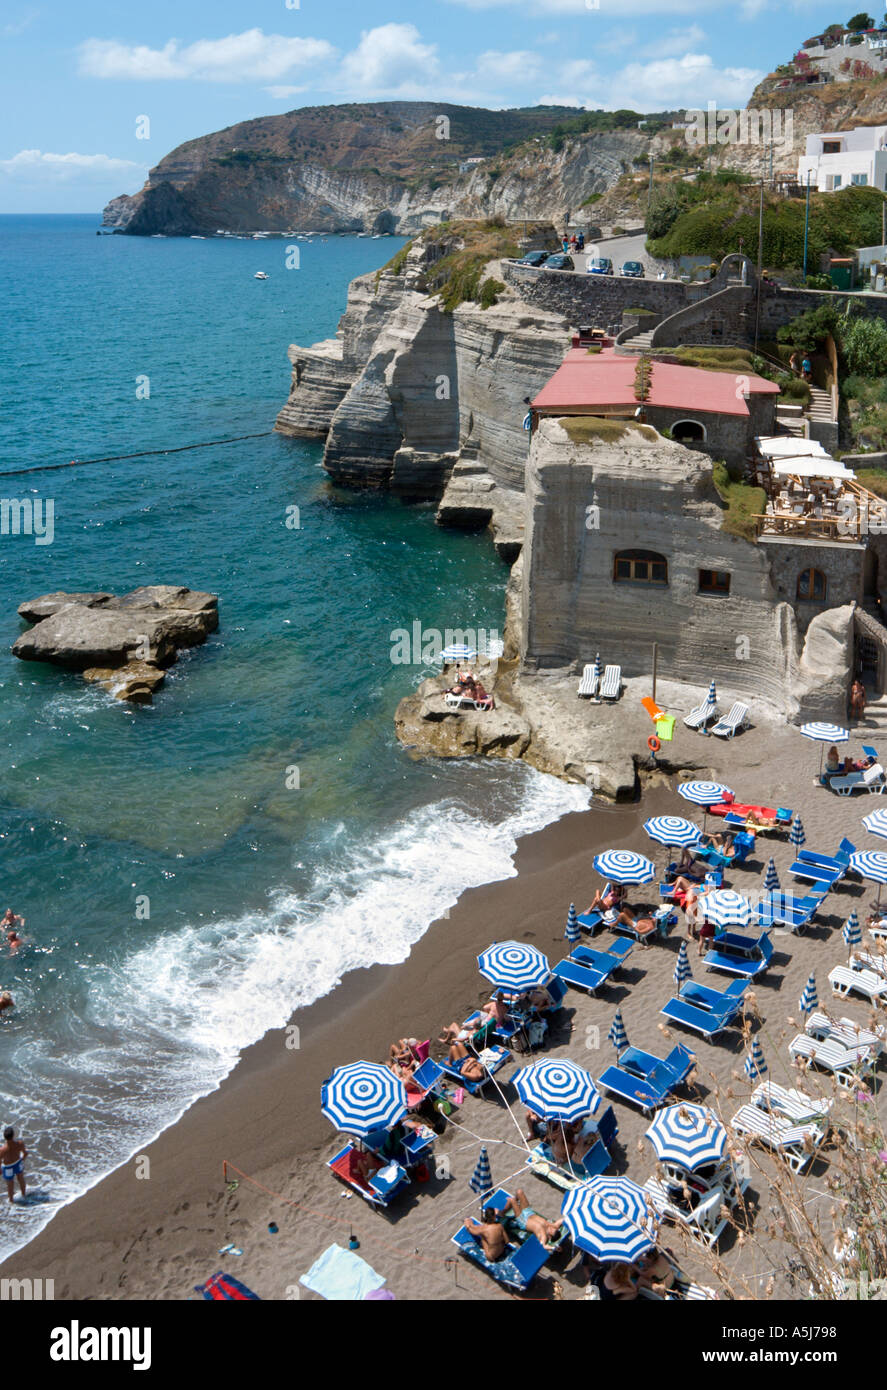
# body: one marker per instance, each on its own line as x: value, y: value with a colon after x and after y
x: 842, y: 563
x: 654, y: 495
x: 595, y: 299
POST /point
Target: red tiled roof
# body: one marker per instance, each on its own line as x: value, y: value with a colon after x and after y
x: 584, y: 381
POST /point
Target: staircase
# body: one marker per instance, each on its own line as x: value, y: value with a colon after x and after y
x: 641, y: 342
x: 820, y: 405
x: 873, y: 726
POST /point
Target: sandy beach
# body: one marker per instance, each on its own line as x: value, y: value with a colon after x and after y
x: 156, y: 1236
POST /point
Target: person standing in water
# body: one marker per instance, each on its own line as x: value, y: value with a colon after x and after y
x: 12, y: 1160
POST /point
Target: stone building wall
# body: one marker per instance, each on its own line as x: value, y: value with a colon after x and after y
x: 842, y: 562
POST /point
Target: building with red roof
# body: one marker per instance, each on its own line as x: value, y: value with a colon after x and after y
x: 722, y: 412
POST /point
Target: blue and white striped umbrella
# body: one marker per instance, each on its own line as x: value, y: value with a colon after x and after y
x: 481, y: 1180
x: 712, y: 695
x: 726, y: 908
x: 687, y: 1134
x: 852, y: 932
x: 675, y: 831
x: 617, y: 1034
x: 876, y: 822
x: 771, y: 877
x: 703, y: 793
x: 457, y: 651
x: 755, y: 1066
x: 871, y: 863
x: 572, y: 931
x: 624, y: 866
x: 825, y: 733
x: 556, y: 1089
x: 682, y: 971
x: 363, y: 1096
x: 598, y: 666
x: 796, y: 835
x: 514, y: 966
x: 609, y: 1218
x: 809, y: 1000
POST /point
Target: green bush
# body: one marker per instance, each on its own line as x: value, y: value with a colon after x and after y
x: 818, y: 282
x: 742, y: 502
x: 864, y: 345
x: 794, y: 390
x: 489, y: 291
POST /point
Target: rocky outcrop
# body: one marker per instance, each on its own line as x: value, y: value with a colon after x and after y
x: 428, y: 403
x: 122, y: 643
x: 824, y: 672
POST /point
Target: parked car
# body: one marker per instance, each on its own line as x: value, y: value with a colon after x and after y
x: 633, y: 269
x: 534, y: 258
x: 560, y: 262
x: 600, y: 265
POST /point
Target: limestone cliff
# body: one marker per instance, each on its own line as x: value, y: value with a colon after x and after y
x: 382, y: 167
x: 415, y: 399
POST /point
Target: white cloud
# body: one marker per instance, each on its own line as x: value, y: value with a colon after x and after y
x: 251, y: 55
x: 519, y: 65
x: 613, y: 9
x: 675, y: 42
x: 284, y: 93
x: 558, y: 99
x: 681, y: 83
x: 393, y: 59
x: 35, y: 164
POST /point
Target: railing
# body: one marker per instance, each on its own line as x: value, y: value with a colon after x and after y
x: 857, y: 514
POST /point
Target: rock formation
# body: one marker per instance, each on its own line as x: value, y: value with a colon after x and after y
x: 122, y: 643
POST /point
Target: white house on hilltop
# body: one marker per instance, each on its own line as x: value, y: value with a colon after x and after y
x: 844, y: 157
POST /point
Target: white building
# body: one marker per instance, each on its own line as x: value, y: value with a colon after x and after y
x: 836, y: 160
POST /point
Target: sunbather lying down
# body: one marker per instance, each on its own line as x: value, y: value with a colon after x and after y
x: 465, y: 1062
x: 529, y: 1220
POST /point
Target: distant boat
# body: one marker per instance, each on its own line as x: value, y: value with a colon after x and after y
x: 260, y: 275
x: 363, y: 233
x: 198, y: 238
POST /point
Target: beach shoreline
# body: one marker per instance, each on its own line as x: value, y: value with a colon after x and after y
x: 158, y: 1237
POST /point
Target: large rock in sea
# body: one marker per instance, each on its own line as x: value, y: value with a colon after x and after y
x: 124, y: 643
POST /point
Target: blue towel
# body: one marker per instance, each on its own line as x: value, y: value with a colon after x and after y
x: 340, y: 1274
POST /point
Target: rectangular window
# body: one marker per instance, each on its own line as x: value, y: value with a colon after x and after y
x: 714, y: 582
x: 860, y: 180
x: 831, y: 147
x: 836, y: 181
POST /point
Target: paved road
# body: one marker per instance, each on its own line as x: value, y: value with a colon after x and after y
x: 620, y: 250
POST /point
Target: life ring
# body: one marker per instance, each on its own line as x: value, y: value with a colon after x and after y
x: 653, y: 744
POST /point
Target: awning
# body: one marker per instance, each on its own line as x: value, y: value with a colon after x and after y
x: 811, y: 468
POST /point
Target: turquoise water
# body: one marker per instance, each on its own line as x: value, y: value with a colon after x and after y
x: 261, y: 894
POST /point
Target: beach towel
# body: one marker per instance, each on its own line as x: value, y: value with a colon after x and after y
x: 224, y: 1286
x: 340, y: 1274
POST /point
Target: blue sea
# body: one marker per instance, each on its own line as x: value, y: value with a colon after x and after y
x: 193, y: 871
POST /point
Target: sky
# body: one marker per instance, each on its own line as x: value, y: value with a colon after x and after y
x: 93, y: 94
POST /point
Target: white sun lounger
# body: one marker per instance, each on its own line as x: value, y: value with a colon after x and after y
x: 847, y: 1065
x: 466, y: 702
x: 589, y: 682
x: 791, y: 1104
x: 866, y: 982
x: 705, y: 1222
x: 702, y: 715
x: 872, y: 780
x: 847, y: 1032
x: 731, y: 723
x: 791, y: 1141
x: 870, y: 960
x: 611, y: 685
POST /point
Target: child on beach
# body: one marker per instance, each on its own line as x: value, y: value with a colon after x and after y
x: 12, y: 1160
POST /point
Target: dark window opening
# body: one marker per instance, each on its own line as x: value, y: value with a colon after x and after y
x: 640, y: 567
x: 714, y: 582
x: 812, y: 585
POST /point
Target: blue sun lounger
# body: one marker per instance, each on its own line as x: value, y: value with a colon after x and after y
x: 839, y: 860
x: 708, y: 1011
x: 518, y: 1267
x: 785, y: 910
x: 645, y: 1080
x: 816, y: 873
x: 589, y: 978
x: 603, y: 960
x: 718, y: 1000
x: 740, y: 955
x: 590, y: 921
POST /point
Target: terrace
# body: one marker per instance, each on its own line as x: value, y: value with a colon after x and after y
x: 811, y: 496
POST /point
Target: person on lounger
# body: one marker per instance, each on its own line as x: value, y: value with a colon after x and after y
x: 530, y: 1220
x: 480, y: 693
x: 835, y: 766
x: 655, y: 1272
x: 464, y: 1062
x: 620, y: 1282
x: 490, y: 1233
x: 612, y: 895
x: 401, y: 1053
x: 536, y: 1127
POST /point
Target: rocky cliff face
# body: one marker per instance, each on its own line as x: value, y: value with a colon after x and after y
x: 380, y: 167
x: 409, y: 396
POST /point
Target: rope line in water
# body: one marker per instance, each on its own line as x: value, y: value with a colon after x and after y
x: 142, y: 454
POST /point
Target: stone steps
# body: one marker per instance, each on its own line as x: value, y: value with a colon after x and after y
x: 820, y: 405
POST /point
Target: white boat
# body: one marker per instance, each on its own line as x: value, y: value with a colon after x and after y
x: 260, y: 275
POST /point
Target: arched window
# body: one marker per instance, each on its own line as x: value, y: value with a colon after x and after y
x: 688, y: 430
x: 812, y: 585
x: 640, y: 567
